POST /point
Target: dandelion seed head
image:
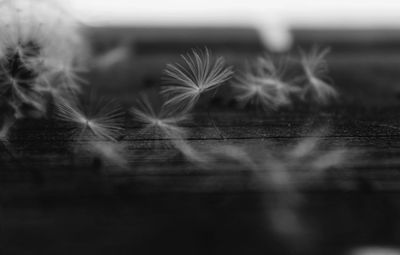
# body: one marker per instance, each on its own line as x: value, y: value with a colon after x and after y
x: 200, y: 72
x: 113, y: 57
x: 101, y: 117
x: 36, y: 34
x: 44, y: 25
x: 263, y: 84
x: 315, y: 68
x: 191, y: 153
x: 4, y: 135
x: 208, y: 157
x: 304, y: 148
x: 308, y: 154
x: 164, y: 118
x: 112, y: 154
x: 4, y: 132
x: 333, y: 158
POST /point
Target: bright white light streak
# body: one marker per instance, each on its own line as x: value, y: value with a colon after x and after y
x: 193, y: 12
x: 271, y: 17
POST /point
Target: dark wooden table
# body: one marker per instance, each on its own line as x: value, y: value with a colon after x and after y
x: 53, y: 203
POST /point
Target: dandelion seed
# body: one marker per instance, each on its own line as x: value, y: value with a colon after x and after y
x: 208, y: 158
x: 315, y: 68
x: 263, y: 84
x: 307, y: 153
x: 304, y: 148
x: 288, y: 170
x: 17, y: 86
x: 334, y: 158
x: 112, y: 154
x: 199, y: 73
x: 112, y: 57
x: 277, y: 169
x: 166, y: 119
x: 62, y: 78
x: 4, y: 134
x: 7, y: 124
x: 192, y: 154
x: 17, y: 81
x: 43, y: 25
x: 102, y: 117
x: 34, y: 34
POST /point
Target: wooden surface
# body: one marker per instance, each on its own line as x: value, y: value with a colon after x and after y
x: 55, y: 204
x: 44, y: 150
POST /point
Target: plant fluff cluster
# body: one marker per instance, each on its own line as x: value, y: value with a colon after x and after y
x: 40, y: 58
x: 40, y: 51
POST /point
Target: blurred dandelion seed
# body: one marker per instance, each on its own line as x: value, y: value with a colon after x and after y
x: 5, y: 130
x: 111, y: 153
x: 102, y: 117
x: 63, y: 78
x: 17, y: 83
x: 200, y: 73
x: 37, y: 37
x: 113, y: 57
x: 308, y: 154
x: 4, y: 137
x: 304, y: 148
x: 282, y: 164
x: 315, y: 68
x: 263, y: 84
x: 191, y: 153
x: 166, y: 119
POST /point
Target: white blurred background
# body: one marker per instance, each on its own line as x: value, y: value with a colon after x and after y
x: 310, y: 13
x: 272, y: 18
